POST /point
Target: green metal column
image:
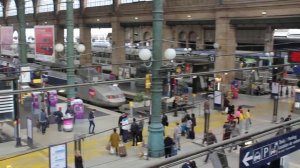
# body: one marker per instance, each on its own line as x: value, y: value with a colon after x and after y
x: 23, y: 60
x: 22, y: 35
x: 70, y: 48
x: 156, y: 143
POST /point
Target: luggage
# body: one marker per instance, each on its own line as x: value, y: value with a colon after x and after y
x: 122, y: 150
x: 107, y: 147
x: 174, y: 150
x: 191, y: 135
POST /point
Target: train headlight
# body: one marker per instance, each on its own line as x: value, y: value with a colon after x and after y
x: 61, y: 91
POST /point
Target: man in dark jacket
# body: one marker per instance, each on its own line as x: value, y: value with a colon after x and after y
x: 134, y: 131
x: 91, y: 120
x: 59, y: 118
x: 164, y: 120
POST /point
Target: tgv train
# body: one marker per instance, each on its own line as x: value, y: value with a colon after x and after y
x: 101, y: 94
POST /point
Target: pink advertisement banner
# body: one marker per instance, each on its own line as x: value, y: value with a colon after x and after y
x: 44, y: 43
x: 6, y: 37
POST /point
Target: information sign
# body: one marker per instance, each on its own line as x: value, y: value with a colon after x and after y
x: 269, y: 150
x: 58, y: 156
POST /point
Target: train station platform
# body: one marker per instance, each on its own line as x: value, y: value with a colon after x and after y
x: 93, y: 146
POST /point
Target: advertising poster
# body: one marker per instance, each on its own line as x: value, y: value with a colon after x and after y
x: 78, y: 108
x: 58, y: 156
x: 44, y: 43
x: 6, y: 39
x: 52, y: 97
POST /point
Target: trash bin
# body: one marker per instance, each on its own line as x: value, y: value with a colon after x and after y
x: 68, y: 124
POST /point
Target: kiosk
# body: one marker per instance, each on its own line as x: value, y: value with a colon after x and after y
x: 68, y: 123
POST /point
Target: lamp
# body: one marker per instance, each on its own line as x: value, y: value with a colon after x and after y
x: 216, y: 46
x: 145, y: 55
x: 80, y: 48
x: 187, y: 49
x: 170, y: 54
x: 59, y: 47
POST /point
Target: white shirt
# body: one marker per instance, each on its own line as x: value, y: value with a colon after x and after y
x: 125, y: 124
x: 189, y: 123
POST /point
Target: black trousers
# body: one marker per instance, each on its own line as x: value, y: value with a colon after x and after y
x: 59, y: 126
x: 168, y: 152
x: 92, y: 124
x: 43, y: 126
x: 134, y: 138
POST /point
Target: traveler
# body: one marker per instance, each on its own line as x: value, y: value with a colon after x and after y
x: 92, y: 122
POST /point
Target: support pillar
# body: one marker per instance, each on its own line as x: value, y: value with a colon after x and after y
x: 118, y: 46
x: 225, y: 37
x: 85, y: 39
x: 156, y: 138
x: 59, y: 38
x: 70, y: 49
x: 22, y: 35
x: 269, y: 40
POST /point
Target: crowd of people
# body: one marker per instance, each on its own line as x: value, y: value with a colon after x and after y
x: 238, y: 121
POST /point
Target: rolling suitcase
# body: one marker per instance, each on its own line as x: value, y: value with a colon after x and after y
x: 122, y: 150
